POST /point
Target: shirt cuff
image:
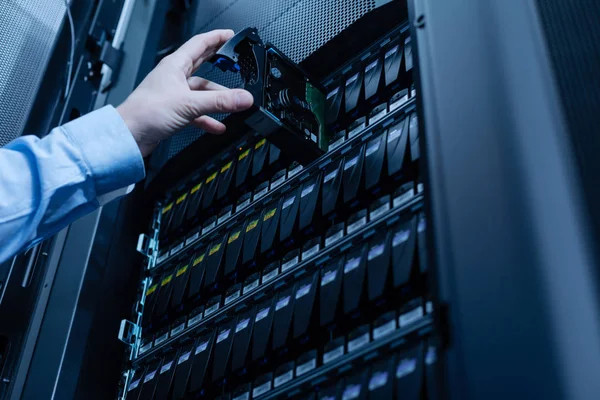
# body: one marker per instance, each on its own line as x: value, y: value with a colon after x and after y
x: 115, y: 194
x: 108, y: 149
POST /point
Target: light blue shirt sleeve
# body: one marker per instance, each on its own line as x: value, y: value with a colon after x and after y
x: 45, y: 184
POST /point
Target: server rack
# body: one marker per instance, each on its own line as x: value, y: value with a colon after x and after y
x: 473, y: 331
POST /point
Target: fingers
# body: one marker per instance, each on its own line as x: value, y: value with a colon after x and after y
x: 200, y: 47
x: 197, y: 83
x: 209, y: 124
x: 218, y: 101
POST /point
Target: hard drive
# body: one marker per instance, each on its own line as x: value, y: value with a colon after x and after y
x: 374, y: 158
x: 251, y: 237
x: 251, y: 283
x: 305, y: 307
x: 233, y: 254
x: 372, y: 77
x: 222, y: 349
x: 270, y: 272
x: 404, y: 238
x: 356, y: 386
x: 179, y: 211
x: 356, y: 221
x: 283, y: 374
x: 261, y: 190
x: 197, y: 270
x: 274, y: 155
x: 214, y: 259
x: 306, y: 363
x: 270, y: 226
x: 194, y: 201
x: 414, y: 137
x: 182, y: 370
x: 379, y: 207
x: 151, y: 299
x: 263, y: 322
x: 241, y: 339
x: 308, y: 201
x: 290, y: 260
x: 392, y: 60
x: 433, y: 392
x: 212, y: 305
x: 289, y: 107
x: 180, y: 283
x: 311, y: 248
x: 289, y: 214
x: 332, y: 182
x: 330, y: 290
x: 354, y: 277
x: 333, y: 350
x: 412, y: 312
x: 165, y: 376
x: 278, y: 179
x: 210, y: 190
x: 243, y: 201
x: 242, y: 392
x: 384, y: 325
x: 422, y: 243
x: 378, y: 263
x: 333, y: 103
x: 282, y: 320
x: 150, y: 380
x: 381, y: 381
x: 165, y: 220
x: 164, y: 295
x: 262, y: 385
x: 135, y: 387
x: 409, y: 373
x: 353, y: 171
x: 202, y: 355
x: 332, y: 392
x: 334, y: 234
x: 398, y: 100
x: 233, y: 293
x: 244, y: 165
x: 224, y: 214
x: 377, y: 114
x: 226, y: 175
x: 408, y: 59
x: 261, y: 151
x: 359, y: 338
x: 353, y: 89
x: 357, y: 126
x: 397, y: 139
x: 403, y: 194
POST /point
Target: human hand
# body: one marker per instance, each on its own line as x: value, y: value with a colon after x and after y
x: 170, y: 98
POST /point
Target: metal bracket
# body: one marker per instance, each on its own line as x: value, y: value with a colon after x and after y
x: 111, y: 57
x: 145, y: 245
x: 128, y: 332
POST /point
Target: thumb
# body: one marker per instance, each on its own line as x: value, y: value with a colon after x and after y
x: 219, y: 101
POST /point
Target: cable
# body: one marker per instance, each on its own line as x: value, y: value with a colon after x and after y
x: 72, y: 57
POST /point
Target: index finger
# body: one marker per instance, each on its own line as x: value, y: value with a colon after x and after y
x: 196, y: 50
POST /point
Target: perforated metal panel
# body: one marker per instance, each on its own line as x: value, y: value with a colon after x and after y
x: 296, y: 27
x: 27, y: 33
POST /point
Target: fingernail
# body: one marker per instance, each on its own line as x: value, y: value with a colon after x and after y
x: 243, y: 99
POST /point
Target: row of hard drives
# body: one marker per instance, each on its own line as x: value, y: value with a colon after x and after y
x: 268, y: 275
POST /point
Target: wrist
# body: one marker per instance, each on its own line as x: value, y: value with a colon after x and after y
x: 128, y: 116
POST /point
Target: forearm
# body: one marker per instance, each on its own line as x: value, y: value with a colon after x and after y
x: 47, y: 184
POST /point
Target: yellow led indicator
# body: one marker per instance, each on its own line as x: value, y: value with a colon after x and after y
x: 211, y: 178
x: 260, y: 144
x: 233, y: 237
x: 181, y: 271
x: 251, y: 225
x: 198, y: 260
x: 167, y: 280
x: 196, y: 188
x: 181, y: 198
x: 226, y: 167
x: 214, y: 249
x: 270, y: 214
x: 151, y: 289
x: 167, y: 208
x: 244, y: 155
